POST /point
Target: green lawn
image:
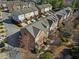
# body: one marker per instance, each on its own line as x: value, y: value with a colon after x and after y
x: 46, y: 55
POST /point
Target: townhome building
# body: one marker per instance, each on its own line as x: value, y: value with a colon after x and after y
x: 39, y: 31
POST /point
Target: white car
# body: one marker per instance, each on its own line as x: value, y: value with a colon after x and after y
x: 23, y: 24
x: 5, y: 9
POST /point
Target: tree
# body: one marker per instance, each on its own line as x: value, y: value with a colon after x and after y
x: 54, y: 3
x: 74, y: 4
x: 75, y: 52
x: 61, y: 3
x: 76, y: 22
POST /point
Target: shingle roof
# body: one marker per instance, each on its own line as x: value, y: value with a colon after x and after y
x: 61, y: 12
x: 47, y: 5
x: 64, y: 12
x: 30, y: 9
x: 59, y: 16
x: 50, y: 22
x: 18, y: 12
x: 35, y: 30
x: 26, y: 10
x: 44, y: 6
x: 35, y: 26
x: 42, y: 24
x: 53, y: 18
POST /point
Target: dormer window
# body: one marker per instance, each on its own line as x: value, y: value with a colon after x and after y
x: 59, y: 16
x: 67, y: 11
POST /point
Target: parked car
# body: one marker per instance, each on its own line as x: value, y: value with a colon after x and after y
x: 5, y: 9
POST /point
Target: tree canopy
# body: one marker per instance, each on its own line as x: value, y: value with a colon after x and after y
x: 74, y: 4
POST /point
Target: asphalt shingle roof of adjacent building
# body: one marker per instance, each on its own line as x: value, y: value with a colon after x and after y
x: 25, y: 10
x: 18, y: 12
x: 50, y: 22
x: 61, y: 12
x: 42, y: 24
x: 44, y: 6
x: 10, y: 27
x: 35, y: 30
x: 59, y: 16
x: 30, y: 9
x: 64, y: 12
x: 35, y: 27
